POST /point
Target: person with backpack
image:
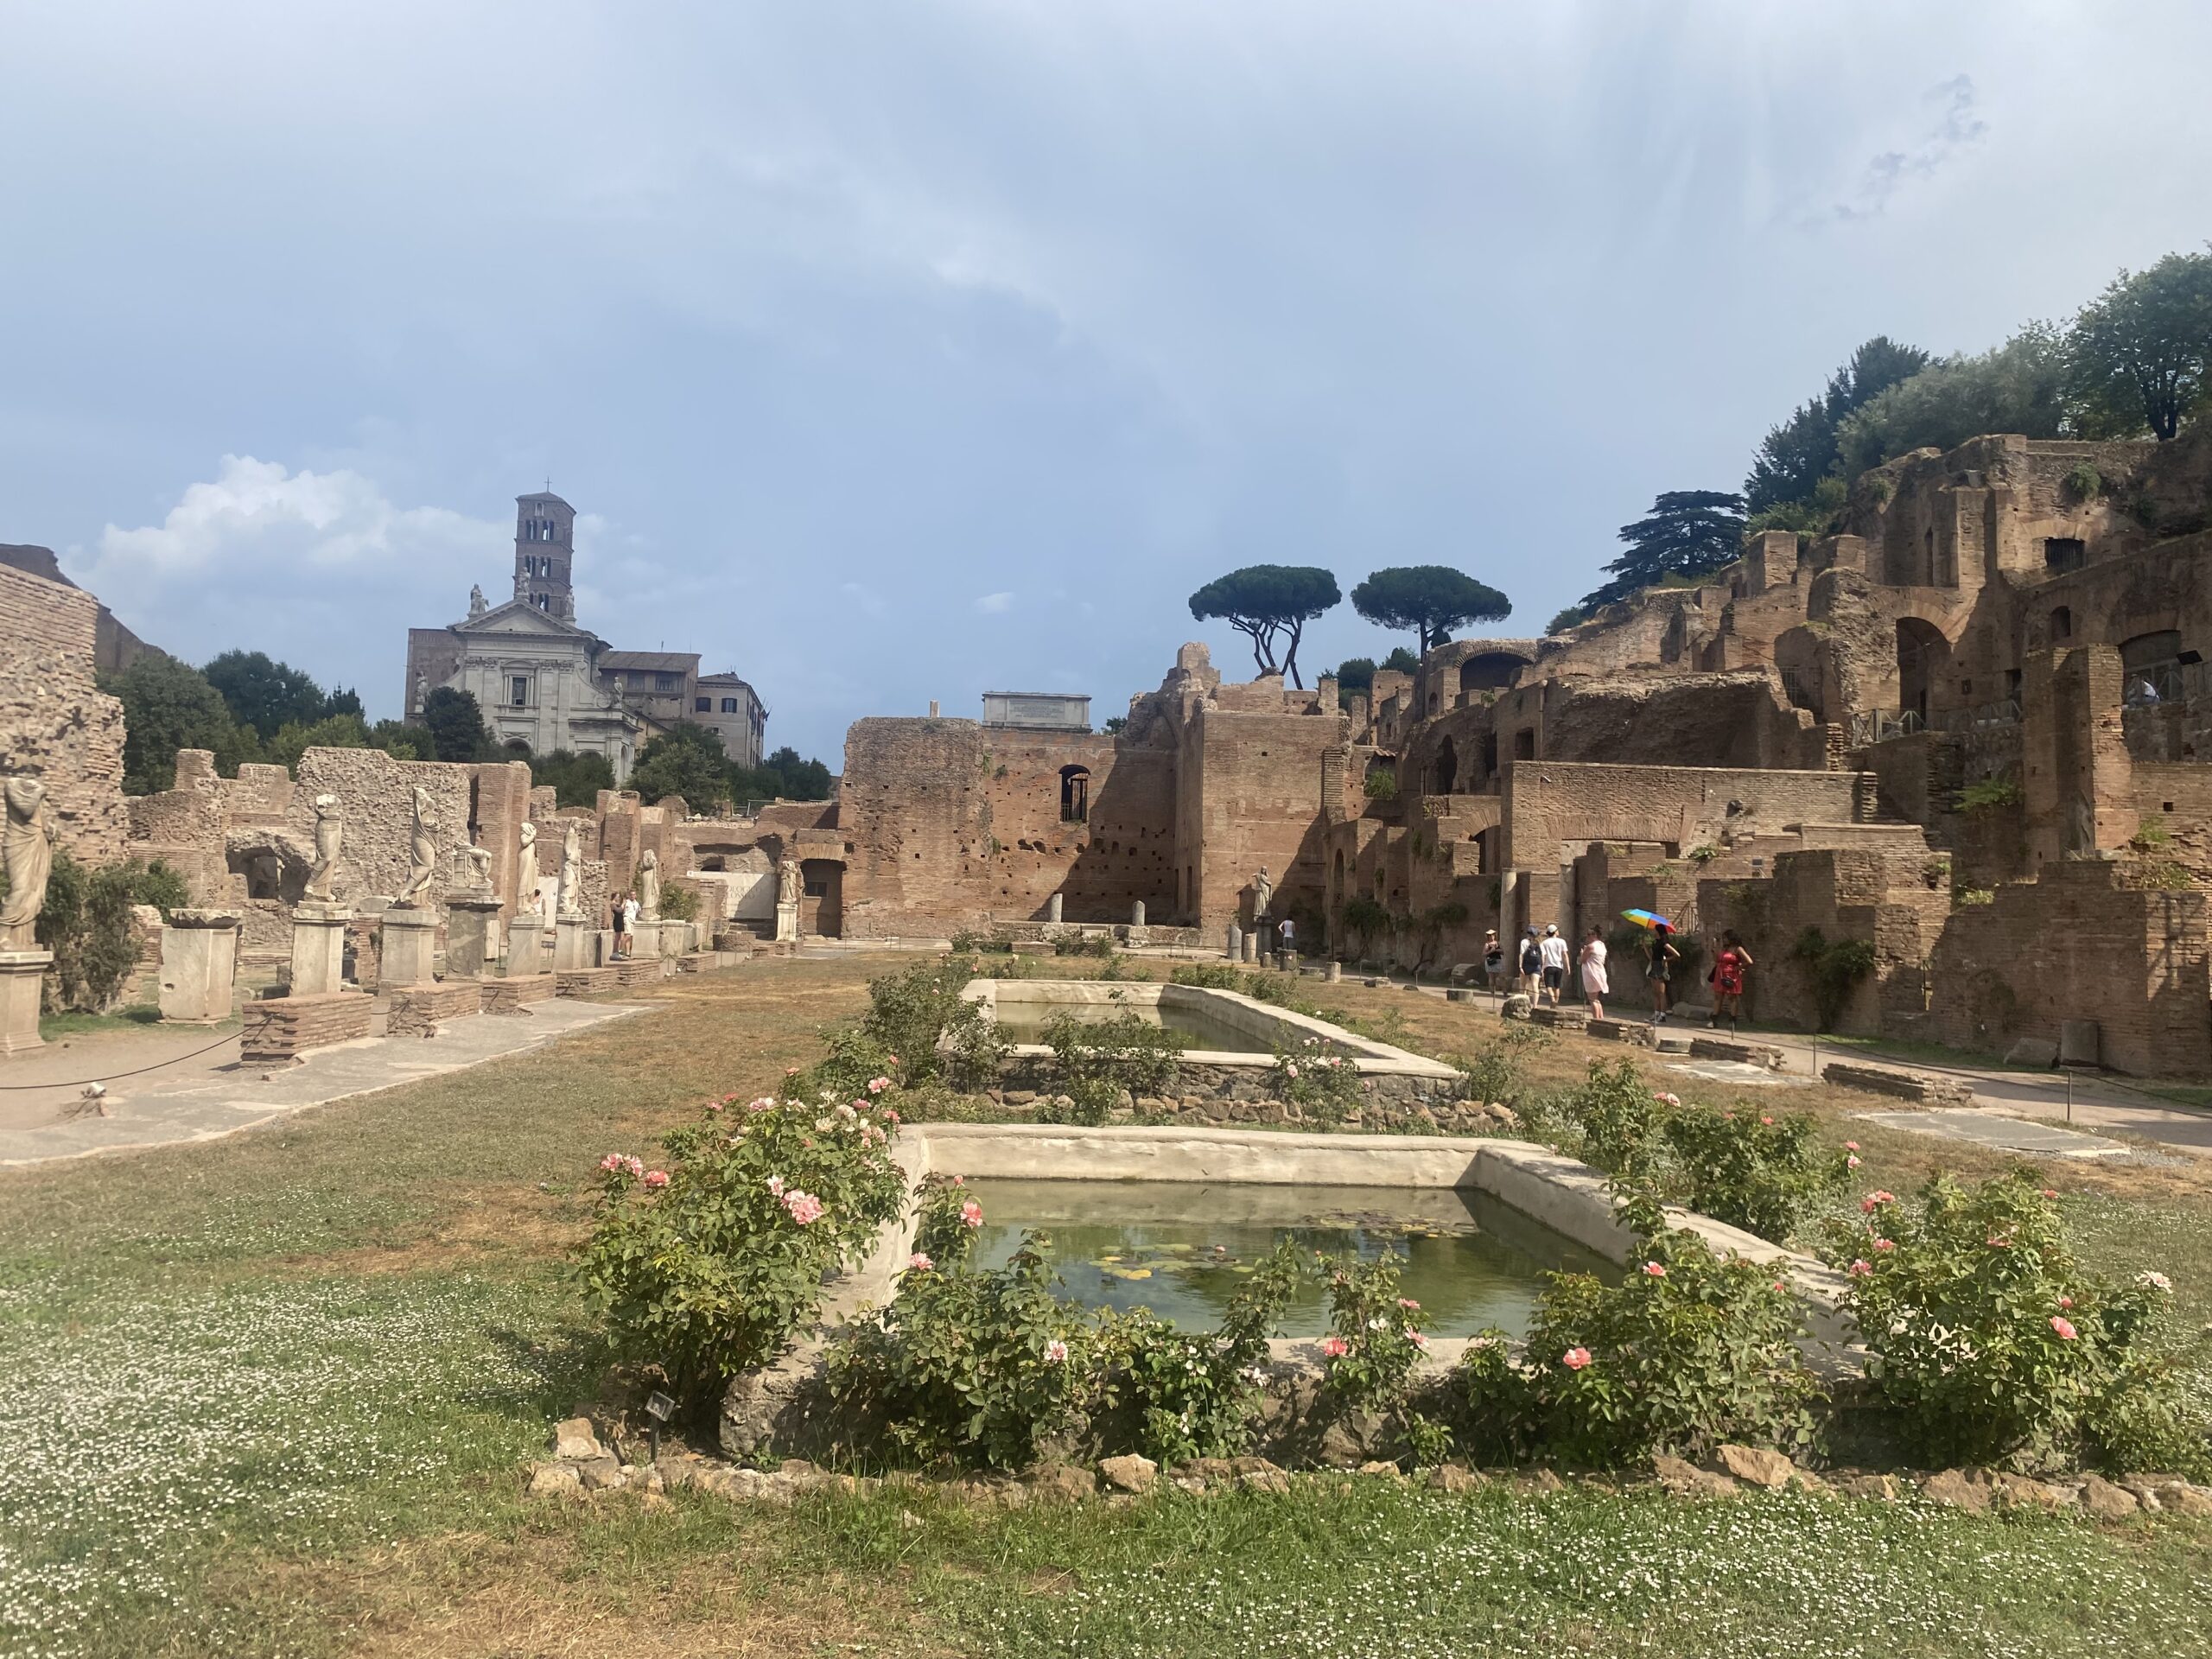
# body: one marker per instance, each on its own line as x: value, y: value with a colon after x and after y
x: 1552, y: 952
x: 1532, y: 964
x: 1730, y: 969
x: 1660, y: 957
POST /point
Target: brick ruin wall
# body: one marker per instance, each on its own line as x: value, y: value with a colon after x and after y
x: 1250, y: 798
x: 1549, y: 803
x: 914, y: 809
x: 55, y: 723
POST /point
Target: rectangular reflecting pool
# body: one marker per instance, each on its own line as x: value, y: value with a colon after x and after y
x: 1025, y: 1022
x: 1182, y: 1249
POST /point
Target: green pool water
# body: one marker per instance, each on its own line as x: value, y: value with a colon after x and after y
x: 1025, y: 1022
x: 1183, y: 1249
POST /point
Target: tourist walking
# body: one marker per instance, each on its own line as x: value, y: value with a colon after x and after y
x: 1493, y: 961
x: 621, y: 931
x: 1593, y: 972
x: 1660, y: 957
x: 1731, y: 968
x: 1552, y: 954
x: 1532, y: 964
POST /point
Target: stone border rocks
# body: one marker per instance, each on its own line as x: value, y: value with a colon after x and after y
x: 1928, y: 1089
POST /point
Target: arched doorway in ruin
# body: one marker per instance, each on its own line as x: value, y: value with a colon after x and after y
x: 1924, y: 656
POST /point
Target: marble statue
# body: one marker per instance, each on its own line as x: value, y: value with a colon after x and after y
x: 1263, y: 894
x: 476, y: 605
x: 422, y: 850
x: 329, y: 832
x: 787, y: 882
x: 475, y: 862
x: 572, y: 871
x: 649, y: 886
x: 527, y: 897
x: 27, y: 852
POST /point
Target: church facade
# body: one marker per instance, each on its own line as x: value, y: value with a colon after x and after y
x: 543, y: 679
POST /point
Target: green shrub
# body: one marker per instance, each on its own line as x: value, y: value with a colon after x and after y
x: 85, y: 922
x: 1381, y: 784
x: 1615, y: 1117
x: 1989, y: 1341
x: 1495, y: 1072
x: 1208, y: 976
x: 708, y: 1268
x: 1198, y: 1394
x: 679, y: 904
x: 1688, y: 1351
x: 1836, y: 968
x: 1096, y: 1061
x: 1085, y: 945
x: 1990, y: 795
x: 1374, y: 1332
x: 927, y: 1030
x: 1760, y: 1172
x: 979, y: 1367
x: 1365, y: 921
x: 2085, y: 482
x: 1322, y: 1084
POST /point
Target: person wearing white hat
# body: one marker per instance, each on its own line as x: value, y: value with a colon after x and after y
x: 1552, y: 953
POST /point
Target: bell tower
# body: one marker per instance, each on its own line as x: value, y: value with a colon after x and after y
x: 545, y: 546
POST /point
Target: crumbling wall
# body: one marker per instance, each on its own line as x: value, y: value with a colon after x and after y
x: 2077, y: 944
x: 1251, y: 799
x: 1547, y: 803
x: 376, y: 794
x: 1120, y: 853
x: 55, y: 723
x: 915, y: 812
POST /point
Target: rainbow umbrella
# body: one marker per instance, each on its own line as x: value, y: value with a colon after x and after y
x: 1647, y: 918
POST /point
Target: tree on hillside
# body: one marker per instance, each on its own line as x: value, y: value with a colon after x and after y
x: 2018, y: 387
x: 1430, y: 599
x: 1272, y: 604
x: 2141, y: 350
x: 686, y: 760
x: 456, y: 727
x: 782, y: 777
x: 1688, y: 533
x: 265, y: 694
x: 167, y: 706
x: 1797, y: 454
x: 293, y: 740
x: 575, y: 779
x: 1355, y: 674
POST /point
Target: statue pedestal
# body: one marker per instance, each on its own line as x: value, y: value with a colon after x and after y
x: 572, y: 944
x: 645, y: 939
x: 408, y: 951
x: 471, y: 933
x: 1251, y: 947
x: 1234, y: 944
x: 23, y: 980
x: 786, y: 924
x: 319, y: 947
x: 526, y: 945
x: 200, y: 961
x: 676, y: 938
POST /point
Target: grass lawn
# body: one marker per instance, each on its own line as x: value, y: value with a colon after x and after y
x: 53, y: 1027
x: 270, y: 1395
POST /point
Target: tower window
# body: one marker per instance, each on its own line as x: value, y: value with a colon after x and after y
x: 518, y: 691
x: 729, y: 705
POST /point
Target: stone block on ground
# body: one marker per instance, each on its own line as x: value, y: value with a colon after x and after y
x: 284, y: 1028
x: 419, y: 1010
x: 2038, y: 1051
x: 1516, y: 1007
x: 2108, y: 1502
x: 1449, y: 1478
x: 576, y: 1440
x: 1928, y: 1088
x: 515, y: 995
x: 1725, y: 1048
x: 1562, y: 1019
x: 1060, y: 1481
x: 1132, y: 1474
x: 586, y: 982
x: 1687, y: 1480
x: 633, y: 971
x: 1960, y: 1489
x: 1619, y: 1031
x: 1756, y: 1465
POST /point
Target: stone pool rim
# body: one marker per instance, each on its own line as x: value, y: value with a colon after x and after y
x: 1262, y: 1021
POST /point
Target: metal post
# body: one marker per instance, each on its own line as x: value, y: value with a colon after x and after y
x: 2069, y: 1094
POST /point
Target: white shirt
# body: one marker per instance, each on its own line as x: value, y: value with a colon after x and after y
x: 1553, y: 950
x: 629, y: 912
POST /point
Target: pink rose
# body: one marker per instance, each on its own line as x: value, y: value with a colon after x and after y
x: 1850, y: 1162
x: 790, y: 1070
x: 1335, y: 1347
x: 1781, y: 1284
x: 2063, y: 1326
x: 612, y: 1162
x: 1874, y: 1201
x: 1653, y: 1270
x: 804, y: 1206
x: 1768, y: 1121
x: 917, y: 1262
x: 971, y: 1214
x: 1408, y: 1301
x: 1575, y: 1359
x: 1415, y: 1338
x: 1860, y: 1268
x: 1851, y: 1146
x: 776, y: 1186
x: 2066, y: 1301
x: 2050, y: 1191
x: 877, y: 1085
x: 1886, y: 1243
x: 656, y: 1177
x: 891, y: 1115
x: 1056, y: 1352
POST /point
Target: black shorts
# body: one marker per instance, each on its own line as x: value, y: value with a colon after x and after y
x: 1553, y: 978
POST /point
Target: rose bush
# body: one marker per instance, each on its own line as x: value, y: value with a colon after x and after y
x: 1314, y: 1077
x: 707, y: 1267
x: 1762, y: 1173
x: 1989, y: 1341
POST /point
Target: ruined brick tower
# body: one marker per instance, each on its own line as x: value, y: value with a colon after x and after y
x: 545, y: 546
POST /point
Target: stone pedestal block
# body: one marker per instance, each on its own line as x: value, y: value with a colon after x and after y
x: 645, y: 939
x: 525, y: 946
x: 23, y: 981
x: 1136, y: 914
x: 1333, y: 973
x: 1235, y: 943
x: 675, y: 939
x: 786, y: 924
x: 1251, y: 947
x: 200, y: 962
x: 408, y: 953
x: 1053, y: 908
x: 572, y: 945
x: 472, y: 936
x: 319, y: 947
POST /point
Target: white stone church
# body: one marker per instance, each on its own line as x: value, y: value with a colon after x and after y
x: 540, y: 677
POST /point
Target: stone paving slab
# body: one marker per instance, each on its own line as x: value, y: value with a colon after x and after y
x: 2001, y: 1133
x: 1741, y: 1072
x: 206, y: 1106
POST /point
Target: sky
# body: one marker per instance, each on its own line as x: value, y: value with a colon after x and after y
x: 902, y: 350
